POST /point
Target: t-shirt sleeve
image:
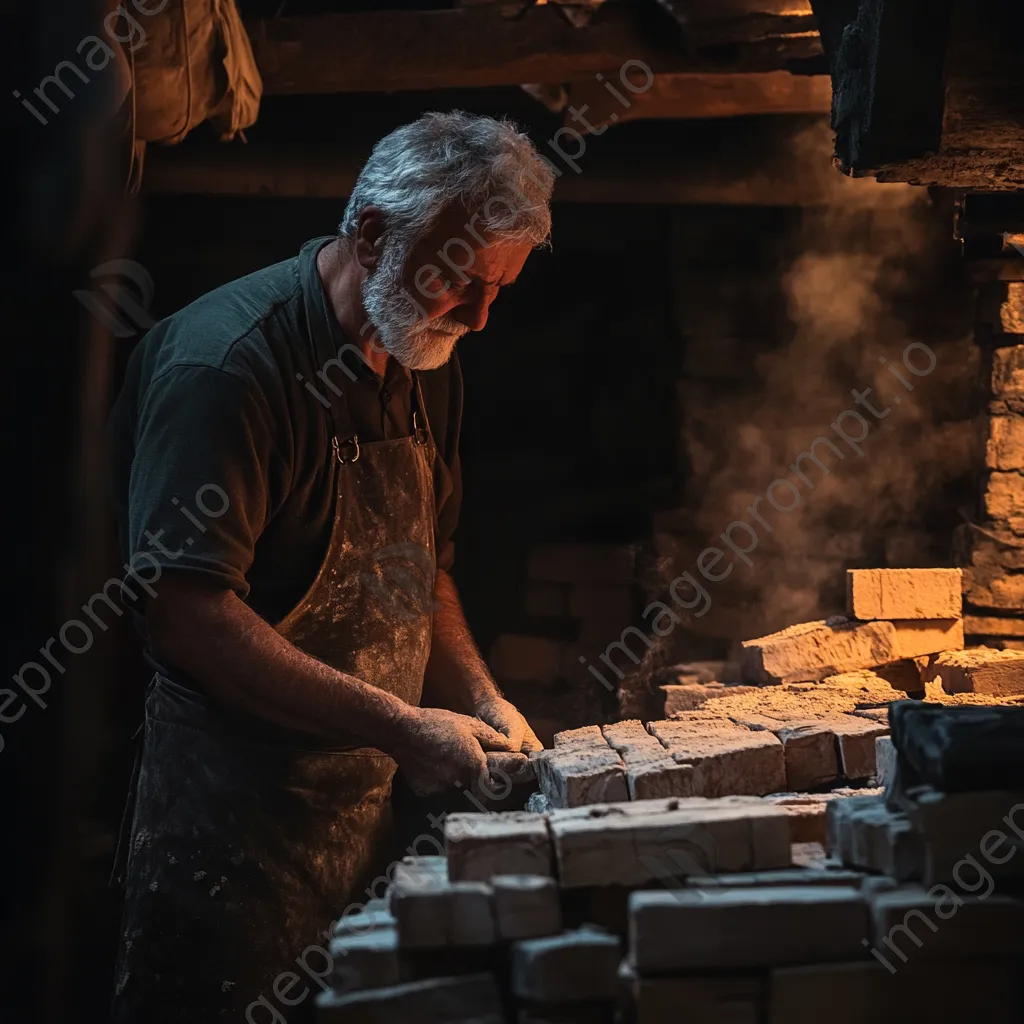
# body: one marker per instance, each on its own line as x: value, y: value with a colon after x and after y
x: 200, y: 479
x: 448, y: 512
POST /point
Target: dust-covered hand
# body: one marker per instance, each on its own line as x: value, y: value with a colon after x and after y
x: 505, y: 717
x: 437, y: 748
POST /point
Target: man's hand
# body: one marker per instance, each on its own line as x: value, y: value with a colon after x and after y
x: 439, y: 748
x: 505, y: 717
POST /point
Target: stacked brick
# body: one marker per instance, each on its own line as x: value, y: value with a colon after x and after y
x: 719, y: 916
x: 992, y: 549
x: 577, y: 596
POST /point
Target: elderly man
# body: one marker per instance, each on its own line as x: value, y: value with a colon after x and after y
x: 286, y: 467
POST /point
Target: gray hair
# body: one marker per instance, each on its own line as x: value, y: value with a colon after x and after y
x: 440, y: 160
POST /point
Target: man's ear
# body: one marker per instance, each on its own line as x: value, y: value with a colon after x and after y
x: 369, y: 236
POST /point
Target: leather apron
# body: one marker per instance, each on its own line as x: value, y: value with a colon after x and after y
x: 246, y: 840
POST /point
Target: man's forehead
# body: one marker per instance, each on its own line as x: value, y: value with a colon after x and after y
x: 467, y: 225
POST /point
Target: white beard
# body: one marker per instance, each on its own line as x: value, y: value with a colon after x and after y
x: 401, y: 330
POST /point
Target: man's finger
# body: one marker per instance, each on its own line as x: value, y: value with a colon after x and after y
x: 530, y: 741
x: 489, y: 738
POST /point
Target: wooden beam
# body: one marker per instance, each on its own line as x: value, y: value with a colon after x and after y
x: 390, y: 50
x: 776, y: 162
x: 705, y: 96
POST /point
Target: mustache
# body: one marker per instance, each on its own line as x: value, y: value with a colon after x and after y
x: 446, y: 325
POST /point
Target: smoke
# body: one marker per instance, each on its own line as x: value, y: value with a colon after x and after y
x: 856, y: 281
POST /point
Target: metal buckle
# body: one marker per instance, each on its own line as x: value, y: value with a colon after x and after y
x: 337, y: 450
x: 420, y: 435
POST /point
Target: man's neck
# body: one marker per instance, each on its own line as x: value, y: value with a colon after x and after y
x: 341, y: 286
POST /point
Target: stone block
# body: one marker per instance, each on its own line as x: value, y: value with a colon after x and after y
x: 471, y: 999
x: 459, y: 914
x: 479, y: 846
x: 994, y: 587
x: 904, y: 593
x: 633, y: 844
x: 864, y: 833
x: 526, y: 659
x: 526, y: 906
x: 981, y: 670
x: 810, y: 753
x: 738, y: 928
x: 573, y: 777
x: 574, y: 967
x: 694, y: 695
x: 950, y: 925
x: 417, y: 874
x: 366, y: 961
x: 728, y: 759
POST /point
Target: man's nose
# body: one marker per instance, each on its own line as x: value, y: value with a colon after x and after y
x: 474, y: 312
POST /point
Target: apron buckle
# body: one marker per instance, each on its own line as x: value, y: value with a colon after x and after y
x: 420, y: 434
x: 337, y: 449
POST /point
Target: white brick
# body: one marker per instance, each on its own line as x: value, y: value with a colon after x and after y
x: 721, y: 929
x: 479, y: 846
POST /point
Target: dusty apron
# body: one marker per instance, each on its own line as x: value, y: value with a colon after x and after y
x: 246, y: 841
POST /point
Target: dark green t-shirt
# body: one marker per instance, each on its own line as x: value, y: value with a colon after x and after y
x: 222, y: 459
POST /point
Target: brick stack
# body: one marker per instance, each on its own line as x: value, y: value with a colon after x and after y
x: 722, y: 919
x: 992, y: 549
x: 576, y: 596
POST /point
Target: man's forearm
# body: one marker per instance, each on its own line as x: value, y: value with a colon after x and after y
x: 245, y: 663
x: 457, y: 677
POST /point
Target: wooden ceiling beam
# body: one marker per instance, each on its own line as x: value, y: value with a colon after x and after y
x: 494, y: 45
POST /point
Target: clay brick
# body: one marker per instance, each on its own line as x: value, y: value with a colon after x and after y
x: 585, y: 736
x: 856, y: 738
x: 366, y: 961
x: 459, y: 914
x: 810, y: 753
x: 995, y: 588
x: 415, y: 874
x: 1004, y: 495
x: 526, y: 906
x: 692, y: 696
x: 575, y: 967
x: 1005, y: 447
x: 727, y: 673
x: 991, y: 625
x: 1008, y: 372
x: 610, y: 606
x: 479, y: 846
x: 580, y: 563
x: 708, y: 1000
x: 813, y: 650
x: 365, y: 921
x: 663, y: 777
x: 903, y: 593
x: 841, y: 993
x: 981, y: 670
x: 525, y: 659
x: 807, y: 812
x: 737, y: 928
x: 917, y: 638
x: 632, y: 844
x: 884, y: 682
x: 546, y: 599
x: 728, y: 759
x: 914, y: 923
x: 470, y: 999
x: 885, y: 760
x: 571, y: 777
x: 784, y: 876
x: 863, y: 833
